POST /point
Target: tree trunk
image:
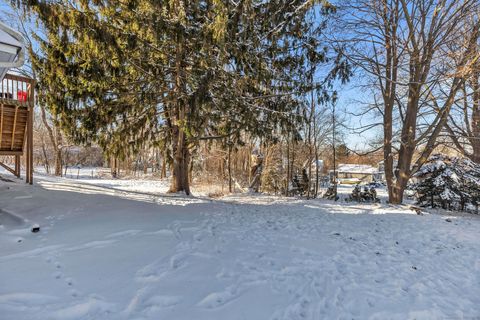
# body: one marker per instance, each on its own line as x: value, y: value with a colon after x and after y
x: 165, y: 165
x: 292, y: 163
x: 317, y: 170
x: 145, y: 161
x: 389, y: 100
x: 163, y: 173
x: 310, y: 146
x: 55, y: 139
x: 250, y: 151
x: 181, y: 153
x: 114, y: 167
x: 66, y: 162
x: 58, y: 162
x: 181, y: 162
x: 229, y: 169
x: 315, y: 144
x: 475, y: 156
x: 287, y: 182
x: 47, y: 164
x: 475, y: 139
x: 398, y: 190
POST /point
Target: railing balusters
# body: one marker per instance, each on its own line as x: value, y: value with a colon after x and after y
x: 16, y: 88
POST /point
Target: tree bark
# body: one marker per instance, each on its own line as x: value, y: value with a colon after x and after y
x: 114, y: 167
x: 181, y: 152
x: 287, y: 180
x: 58, y: 162
x: 229, y: 169
x: 391, y: 70
x: 181, y: 162
x: 475, y: 136
x: 55, y: 139
x: 163, y: 173
x: 47, y: 165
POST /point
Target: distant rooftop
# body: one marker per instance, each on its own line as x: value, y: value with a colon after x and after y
x: 356, y: 168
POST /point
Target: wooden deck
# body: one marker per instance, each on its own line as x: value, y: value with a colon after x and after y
x: 16, y: 123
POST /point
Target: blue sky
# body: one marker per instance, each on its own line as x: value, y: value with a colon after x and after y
x: 349, y: 95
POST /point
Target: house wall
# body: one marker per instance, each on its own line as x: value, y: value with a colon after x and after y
x: 361, y: 176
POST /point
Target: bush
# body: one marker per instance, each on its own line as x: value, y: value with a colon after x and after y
x: 448, y: 182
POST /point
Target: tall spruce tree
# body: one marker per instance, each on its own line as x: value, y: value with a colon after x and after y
x: 126, y: 73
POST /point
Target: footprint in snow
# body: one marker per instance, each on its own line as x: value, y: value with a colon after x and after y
x: 74, y: 293
x: 178, y: 260
x: 218, y: 299
x: 370, y: 303
x: 69, y: 281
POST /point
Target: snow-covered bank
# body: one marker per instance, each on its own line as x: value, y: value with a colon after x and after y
x: 109, y: 251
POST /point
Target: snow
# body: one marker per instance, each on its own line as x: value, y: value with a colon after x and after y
x: 123, y: 249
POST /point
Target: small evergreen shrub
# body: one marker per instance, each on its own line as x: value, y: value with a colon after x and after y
x: 448, y: 182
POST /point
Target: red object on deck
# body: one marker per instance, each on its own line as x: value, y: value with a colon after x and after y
x: 22, y: 95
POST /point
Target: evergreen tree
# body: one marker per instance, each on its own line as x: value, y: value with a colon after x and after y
x: 272, y: 175
x: 449, y: 182
x: 470, y: 182
x: 130, y: 73
x: 439, y: 183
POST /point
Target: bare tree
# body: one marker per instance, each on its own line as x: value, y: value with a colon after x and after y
x: 463, y: 127
x: 405, y: 47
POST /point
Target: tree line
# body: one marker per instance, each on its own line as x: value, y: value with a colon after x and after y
x: 181, y: 76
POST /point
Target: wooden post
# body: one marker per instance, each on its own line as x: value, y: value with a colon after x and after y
x: 29, y: 158
x: 17, y: 166
x: 26, y: 151
x: 31, y: 105
x: 1, y: 119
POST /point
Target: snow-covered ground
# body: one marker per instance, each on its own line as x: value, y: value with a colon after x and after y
x: 122, y: 249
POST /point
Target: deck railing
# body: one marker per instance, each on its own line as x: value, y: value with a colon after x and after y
x: 17, y: 90
x: 16, y: 122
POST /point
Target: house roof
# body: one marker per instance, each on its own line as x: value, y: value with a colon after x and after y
x: 11, y: 49
x: 356, y: 168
